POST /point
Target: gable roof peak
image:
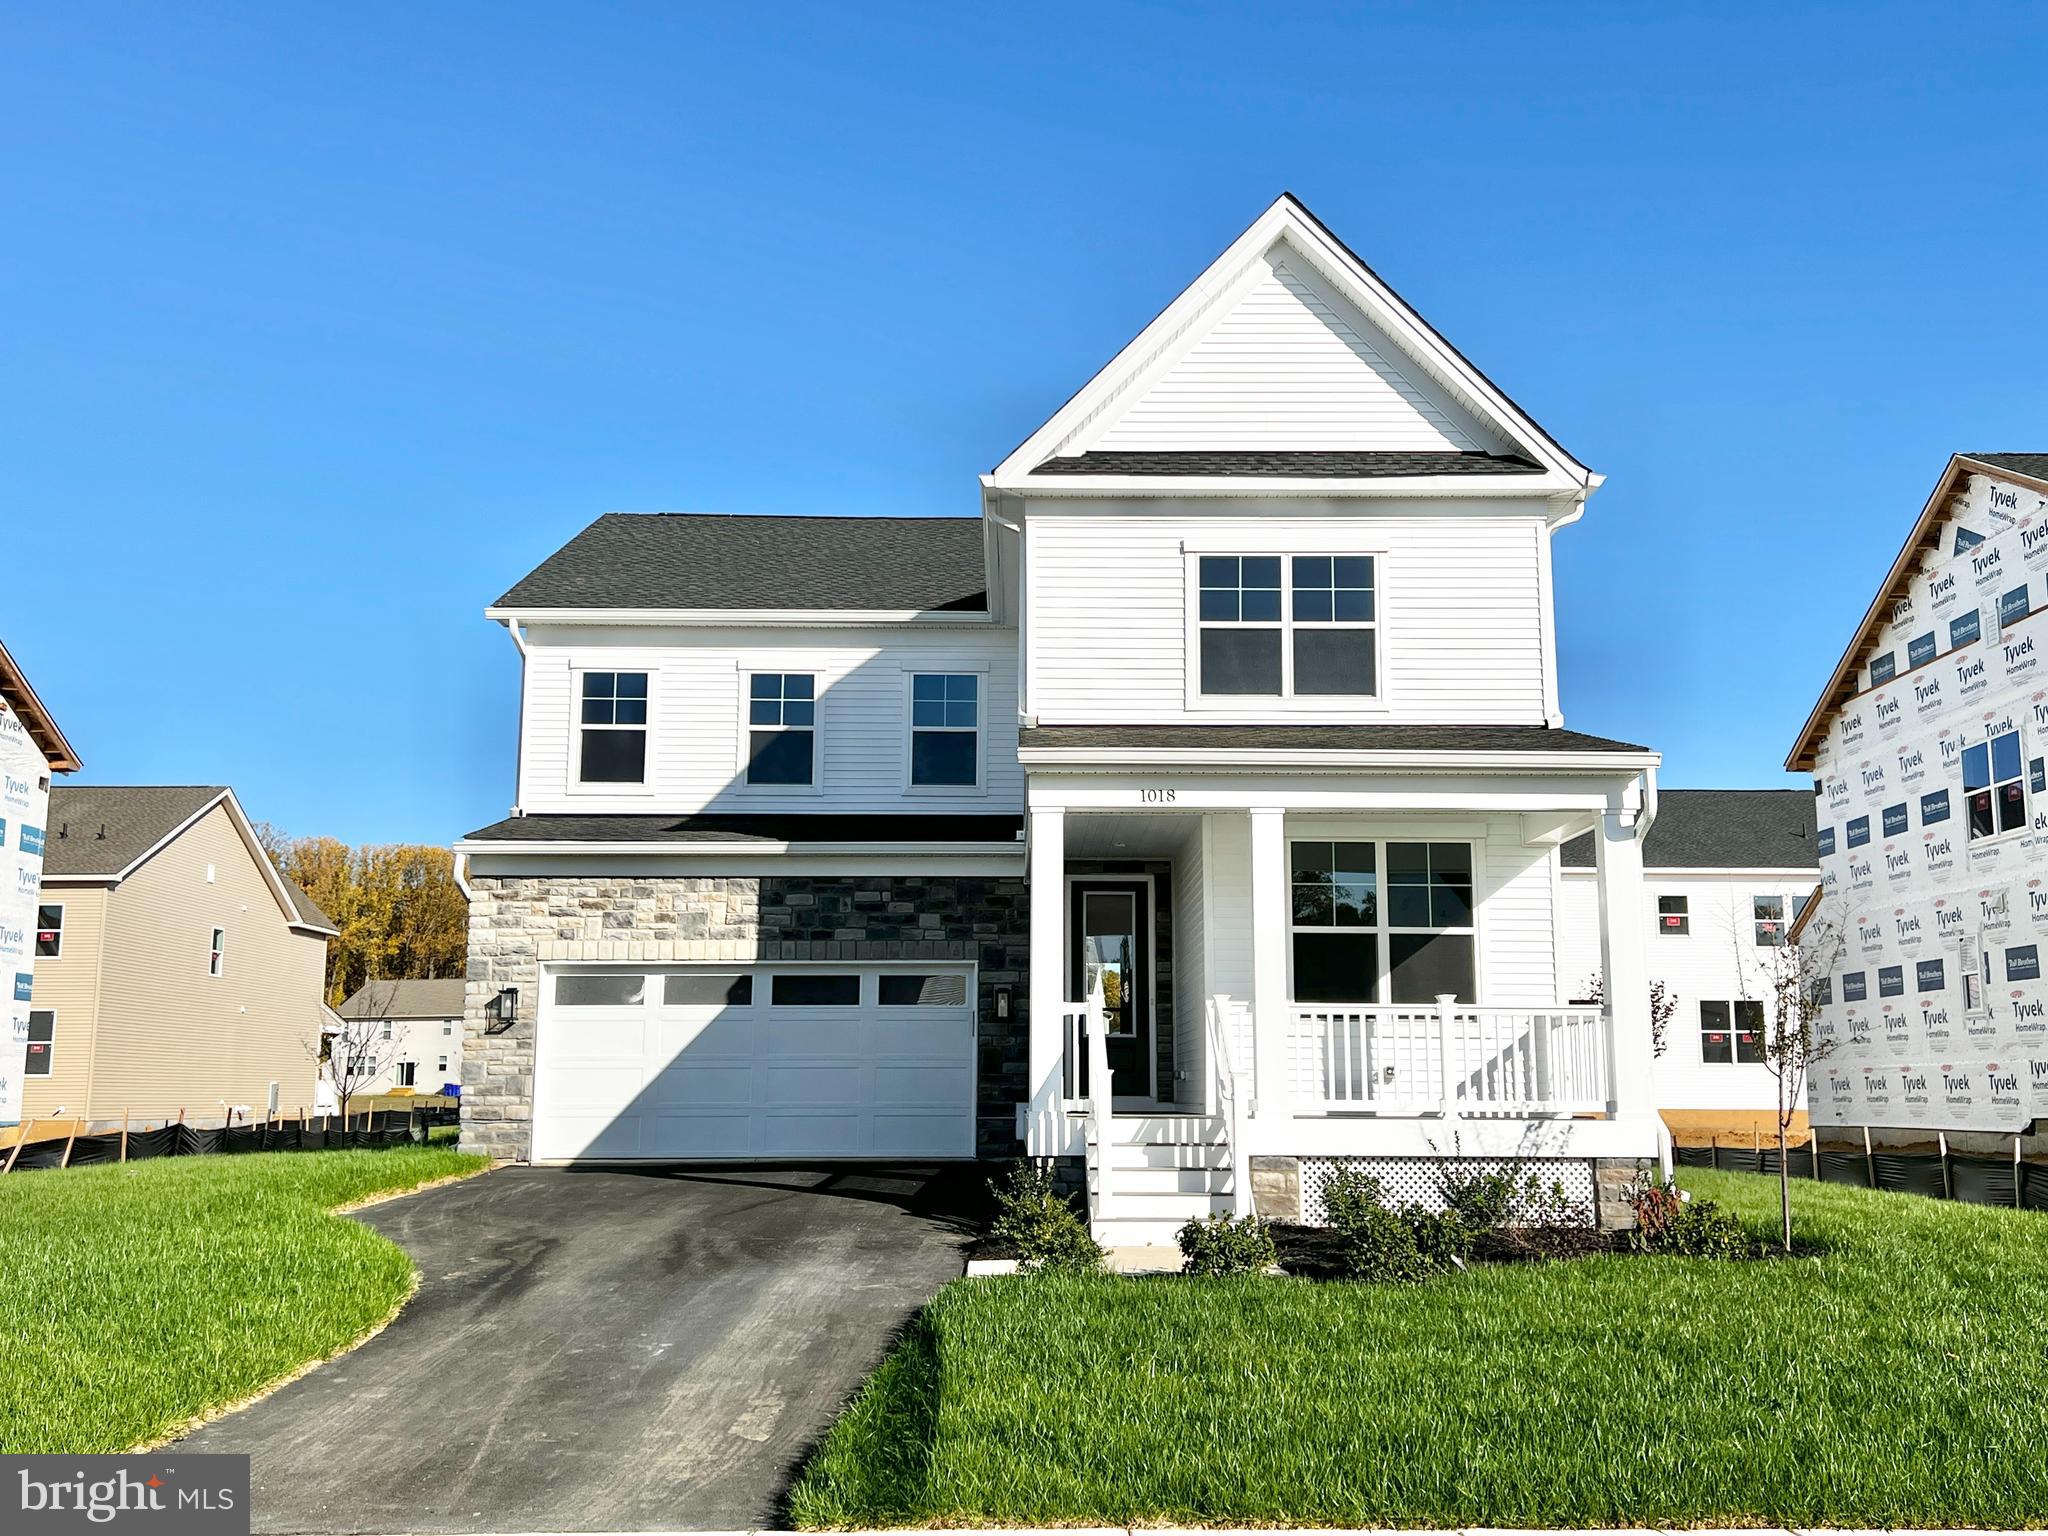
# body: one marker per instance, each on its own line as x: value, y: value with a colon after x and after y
x: 1220, y: 370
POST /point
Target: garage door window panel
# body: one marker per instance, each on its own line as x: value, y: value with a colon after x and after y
x: 801, y: 989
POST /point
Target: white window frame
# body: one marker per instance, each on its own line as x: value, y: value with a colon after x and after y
x: 1699, y: 1033
x: 1335, y: 705
x: 1970, y: 839
x: 1386, y: 928
x: 400, y: 1077
x: 747, y: 672
x: 1684, y: 914
x: 34, y: 942
x: 442, y: 1069
x: 577, y: 784
x: 910, y: 729
x: 216, y: 951
x: 1756, y: 924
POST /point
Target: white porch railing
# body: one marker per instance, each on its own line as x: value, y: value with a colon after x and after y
x: 1230, y: 1099
x: 1446, y: 1059
x: 1084, y: 1030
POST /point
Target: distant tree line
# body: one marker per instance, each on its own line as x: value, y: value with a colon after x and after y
x: 401, y: 915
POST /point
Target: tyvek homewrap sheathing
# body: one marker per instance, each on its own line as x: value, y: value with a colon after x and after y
x: 1917, y: 901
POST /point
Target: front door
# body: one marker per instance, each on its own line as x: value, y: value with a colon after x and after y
x: 1110, y: 922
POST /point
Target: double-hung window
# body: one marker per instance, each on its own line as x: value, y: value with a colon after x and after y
x: 42, y: 1037
x: 782, y: 721
x: 1768, y: 915
x: 1405, y: 938
x: 1674, y: 915
x: 1994, y: 786
x: 612, y: 748
x: 945, y: 729
x: 1287, y: 626
x: 49, y: 932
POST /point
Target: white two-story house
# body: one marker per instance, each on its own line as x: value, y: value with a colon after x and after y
x: 1192, y: 813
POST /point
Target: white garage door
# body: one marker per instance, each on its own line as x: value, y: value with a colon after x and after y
x: 767, y: 1062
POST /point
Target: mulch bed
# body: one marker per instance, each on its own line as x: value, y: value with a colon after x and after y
x: 1316, y: 1253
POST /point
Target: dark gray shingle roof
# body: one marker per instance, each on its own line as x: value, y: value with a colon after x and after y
x: 1722, y: 829
x: 697, y: 560
x: 2033, y: 464
x: 435, y: 999
x: 1318, y: 738
x: 765, y: 827
x: 100, y: 829
x: 1289, y: 465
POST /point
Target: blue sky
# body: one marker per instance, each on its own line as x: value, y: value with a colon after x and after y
x: 320, y: 325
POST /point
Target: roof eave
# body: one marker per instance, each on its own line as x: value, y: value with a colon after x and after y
x: 1114, y: 759
x: 35, y: 715
x: 779, y: 617
x: 672, y: 848
x: 1548, y: 485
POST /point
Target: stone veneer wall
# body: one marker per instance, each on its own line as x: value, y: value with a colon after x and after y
x: 517, y: 924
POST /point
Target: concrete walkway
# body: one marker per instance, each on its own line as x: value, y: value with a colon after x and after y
x: 603, y: 1350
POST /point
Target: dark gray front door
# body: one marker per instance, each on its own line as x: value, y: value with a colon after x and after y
x: 1111, y: 924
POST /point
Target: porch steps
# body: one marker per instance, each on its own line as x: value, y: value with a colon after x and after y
x: 1164, y: 1171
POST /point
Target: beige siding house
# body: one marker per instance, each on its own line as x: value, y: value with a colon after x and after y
x: 175, y: 968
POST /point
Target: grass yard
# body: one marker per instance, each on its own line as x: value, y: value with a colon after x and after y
x: 134, y: 1298
x: 1895, y: 1380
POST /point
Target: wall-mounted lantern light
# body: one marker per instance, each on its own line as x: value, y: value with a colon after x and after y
x: 502, y: 1011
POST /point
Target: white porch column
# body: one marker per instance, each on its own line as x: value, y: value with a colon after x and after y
x: 1045, y: 1124
x: 1270, y: 920
x: 1624, y: 930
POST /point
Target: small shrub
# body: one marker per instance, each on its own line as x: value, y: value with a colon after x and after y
x: 1227, y: 1245
x: 1443, y: 1238
x: 1484, y: 1201
x: 1670, y: 1221
x: 1376, y: 1243
x: 1035, y: 1219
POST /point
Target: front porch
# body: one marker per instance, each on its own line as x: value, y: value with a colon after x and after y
x: 1362, y: 971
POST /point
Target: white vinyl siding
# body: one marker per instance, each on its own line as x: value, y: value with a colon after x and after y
x: 1291, y: 366
x: 697, y: 731
x: 1716, y: 960
x: 1461, y: 592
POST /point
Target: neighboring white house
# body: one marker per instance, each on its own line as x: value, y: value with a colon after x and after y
x: 1725, y: 871
x: 1236, y: 706
x: 410, y: 1034
x: 1929, y: 751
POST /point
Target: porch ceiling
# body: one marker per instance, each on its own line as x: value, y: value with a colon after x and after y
x: 1128, y: 834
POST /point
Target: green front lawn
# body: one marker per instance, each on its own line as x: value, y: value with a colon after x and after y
x: 133, y: 1299
x: 1895, y: 1380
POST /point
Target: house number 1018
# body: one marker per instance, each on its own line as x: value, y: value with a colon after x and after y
x: 1155, y: 796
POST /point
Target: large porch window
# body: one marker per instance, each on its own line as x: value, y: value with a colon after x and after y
x: 1359, y: 938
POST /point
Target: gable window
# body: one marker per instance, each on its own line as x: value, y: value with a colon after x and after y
x: 1993, y: 786
x: 613, y: 729
x: 1731, y: 1033
x: 1768, y: 913
x: 945, y: 729
x: 42, y: 1036
x: 216, y: 950
x: 1322, y: 642
x: 782, y: 713
x: 1350, y: 946
x: 1674, y: 914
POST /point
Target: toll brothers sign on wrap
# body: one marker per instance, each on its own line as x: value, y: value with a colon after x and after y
x: 24, y: 803
x: 1938, y: 1008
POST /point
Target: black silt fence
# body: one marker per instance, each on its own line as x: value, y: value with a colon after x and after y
x: 317, y: 1134
x: 1972, y: 1180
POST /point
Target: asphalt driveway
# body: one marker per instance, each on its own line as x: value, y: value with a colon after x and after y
x: 604, y: 1350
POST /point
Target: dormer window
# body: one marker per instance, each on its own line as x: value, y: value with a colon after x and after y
x: 1287, y: 626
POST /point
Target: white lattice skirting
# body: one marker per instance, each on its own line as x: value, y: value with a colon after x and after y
x: 1413, y: 1180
